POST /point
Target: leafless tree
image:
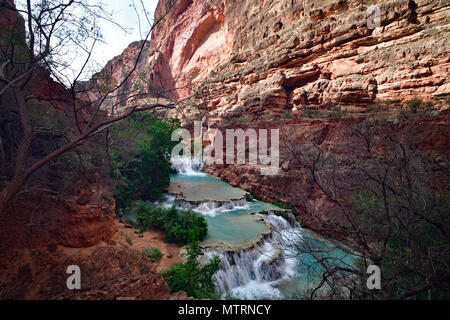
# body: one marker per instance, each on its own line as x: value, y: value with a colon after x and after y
x: 41, y: 42
x: 392, y: 206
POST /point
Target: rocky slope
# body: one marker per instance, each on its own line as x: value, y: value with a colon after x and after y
x: 107, y: 273
x: 79, y: 221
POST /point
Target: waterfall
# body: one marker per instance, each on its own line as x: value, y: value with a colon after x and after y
x: 207, y: 208
x: 257, y: 261
x: 188, y: 165
x: 214, y: 208
x: 253, y: 273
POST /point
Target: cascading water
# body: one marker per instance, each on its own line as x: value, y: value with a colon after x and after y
x: 253, y: 273
x: 207, y: 208
x: 188, y: 165
x: 255, y: 240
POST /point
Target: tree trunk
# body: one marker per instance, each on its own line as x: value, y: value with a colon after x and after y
x: 10, y: 191
x: 20, y: 173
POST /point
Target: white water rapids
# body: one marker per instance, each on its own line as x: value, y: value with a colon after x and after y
x: 248, y: 273
x: 254, y: 273
x: 188, y: 165
x: 256, y: 241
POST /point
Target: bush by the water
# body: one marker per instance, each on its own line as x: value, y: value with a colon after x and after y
x: 193, y: 277
x: 154, y: 254
x: 180, y: 226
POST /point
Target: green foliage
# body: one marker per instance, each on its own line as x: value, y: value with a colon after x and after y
x: 383, y: 106
x: 180, y: 226
x: 433, y: 155
x: 335, y: 112
x: 241, y: 120
x: 301, y: 222
x: 417, y: 105
x: 281, y: 205
x: 287, y: 114
x: 245, y: 119
x: 154, y: 254
x: 311, y: 114
x: 375, y: 108
x: 141, y: 158
x: 193, y: 277
x: 338, y: 112
x: 129, y: 240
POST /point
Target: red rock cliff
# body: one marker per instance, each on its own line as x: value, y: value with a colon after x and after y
x: 268, y: 56
x: 259, y: 60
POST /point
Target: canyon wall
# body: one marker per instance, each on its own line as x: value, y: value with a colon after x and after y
x: 269, y: 63
x: 294, y: 185
x: 264, y: 57
x: 262, y: 64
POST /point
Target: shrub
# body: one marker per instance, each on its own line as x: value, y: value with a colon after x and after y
x: 375, y: 108
x: 287, y: 114
x: 276, y: 204
x: 301, y: 222
x: 417, y: 105
x: 129, y: 240
x: 337, y: 112
x: 245, y: 119
x: 193, y: 277
x: 182, y: 226
x: 188, y: 227
x: 154, y: 254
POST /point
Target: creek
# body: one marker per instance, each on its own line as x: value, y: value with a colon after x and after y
x: 258, y: 242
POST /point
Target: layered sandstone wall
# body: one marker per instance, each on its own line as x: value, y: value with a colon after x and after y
x: 263, y: 57
x: 258, y: 60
